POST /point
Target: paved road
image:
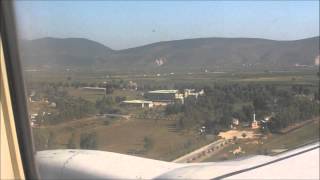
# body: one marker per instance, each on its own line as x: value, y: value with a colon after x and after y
x: 203, y: 152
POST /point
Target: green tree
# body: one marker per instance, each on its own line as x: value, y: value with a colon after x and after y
x: 105, y: 105
x: 88, y: 141
x: 72, y: 142
x: 147, y: 143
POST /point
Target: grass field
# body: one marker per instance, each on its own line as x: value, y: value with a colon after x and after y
x: 128, y: 137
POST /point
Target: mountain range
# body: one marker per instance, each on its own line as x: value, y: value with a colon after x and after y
x: 209, y: 53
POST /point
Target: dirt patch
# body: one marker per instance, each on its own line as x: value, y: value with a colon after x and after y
x: 238, y: 134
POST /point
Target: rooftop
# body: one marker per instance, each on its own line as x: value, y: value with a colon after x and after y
x: 95, y: 88
x: 164, y: 91
x: 136, y: 101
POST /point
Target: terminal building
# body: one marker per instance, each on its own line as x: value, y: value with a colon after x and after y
x: 162, y: 98
x: 165, y: 96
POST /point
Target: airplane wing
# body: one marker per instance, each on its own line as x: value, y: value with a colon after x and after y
x: 300, y: 163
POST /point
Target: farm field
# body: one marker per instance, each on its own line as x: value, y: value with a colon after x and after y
x: 290, y: 77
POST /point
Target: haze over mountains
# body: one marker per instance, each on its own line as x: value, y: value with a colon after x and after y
x: 209, y: 53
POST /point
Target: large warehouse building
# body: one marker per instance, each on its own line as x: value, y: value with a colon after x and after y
x: 167, y: 96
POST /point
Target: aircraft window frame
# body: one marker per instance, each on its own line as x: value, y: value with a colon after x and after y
x: 17, y: 89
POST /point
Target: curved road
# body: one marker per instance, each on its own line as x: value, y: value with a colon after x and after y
x: 203, y: 152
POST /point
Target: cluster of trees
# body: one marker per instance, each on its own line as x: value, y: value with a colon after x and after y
x: 112, y: 84
x: 300, y: 109
x: 108, y: 104
x: 221, y: 103
x: 88, y: 141
x: 147, y: 143
x: 73, y: 108
x: 149, y: 86
x: 215, y: 110
x: 174, y: 109
x: 67, y: 107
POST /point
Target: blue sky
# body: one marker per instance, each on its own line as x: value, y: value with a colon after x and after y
x: 125, y: 24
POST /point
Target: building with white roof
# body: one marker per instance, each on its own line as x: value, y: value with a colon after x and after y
x: 137, y: 104
x: 168, y: 96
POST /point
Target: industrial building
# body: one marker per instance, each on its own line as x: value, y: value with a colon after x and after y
x: 161, y: 98
x: 172, y: 96
x: 166, y: 96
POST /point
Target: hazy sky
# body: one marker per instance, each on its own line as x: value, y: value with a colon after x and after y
x: 127, y: 24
